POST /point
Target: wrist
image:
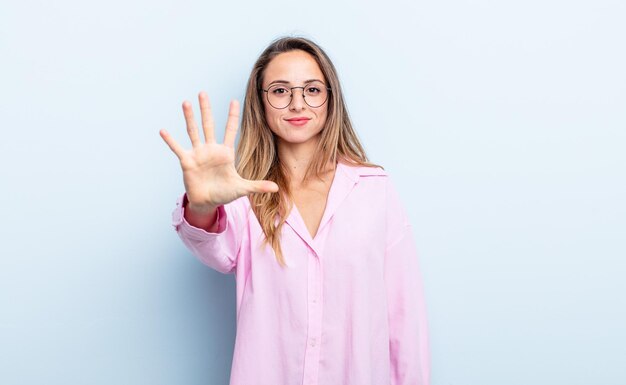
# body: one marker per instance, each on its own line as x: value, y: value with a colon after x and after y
x: 198, y: 208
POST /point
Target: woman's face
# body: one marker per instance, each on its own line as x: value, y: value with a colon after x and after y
x: 294, y: 69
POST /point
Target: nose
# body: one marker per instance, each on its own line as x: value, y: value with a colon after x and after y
x: 297, y: 99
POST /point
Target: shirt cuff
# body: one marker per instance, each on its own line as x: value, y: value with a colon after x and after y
x: 180, y: 223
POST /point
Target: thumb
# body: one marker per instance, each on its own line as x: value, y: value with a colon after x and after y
x: 262, y: 186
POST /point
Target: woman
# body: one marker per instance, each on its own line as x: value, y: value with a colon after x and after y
x: 328, y: 284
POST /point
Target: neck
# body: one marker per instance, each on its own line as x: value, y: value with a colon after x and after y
x: 296, y: 158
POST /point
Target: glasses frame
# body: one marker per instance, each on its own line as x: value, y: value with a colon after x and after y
x: 291, y: 96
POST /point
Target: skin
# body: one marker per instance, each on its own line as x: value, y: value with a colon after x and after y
x: 209, y: 172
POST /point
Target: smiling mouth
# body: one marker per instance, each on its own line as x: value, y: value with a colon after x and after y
x: 298, y: 122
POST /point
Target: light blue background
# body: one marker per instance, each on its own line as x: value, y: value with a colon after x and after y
x: 503, y: 125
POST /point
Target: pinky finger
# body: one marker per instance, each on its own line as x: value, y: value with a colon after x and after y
x: 172, y: 144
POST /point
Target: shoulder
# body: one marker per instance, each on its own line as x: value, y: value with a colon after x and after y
x: 371, y: 171
x: 358, y: 172
x: 374, y: 179
x: 370, y: 183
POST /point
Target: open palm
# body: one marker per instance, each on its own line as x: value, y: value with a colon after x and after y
x: 209, y: 172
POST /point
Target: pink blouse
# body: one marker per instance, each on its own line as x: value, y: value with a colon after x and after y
x: 348, y: 309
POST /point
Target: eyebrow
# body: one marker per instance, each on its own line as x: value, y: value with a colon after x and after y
x: 286, y: 82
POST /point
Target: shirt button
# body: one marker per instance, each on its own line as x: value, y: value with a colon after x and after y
x: 313, y: 342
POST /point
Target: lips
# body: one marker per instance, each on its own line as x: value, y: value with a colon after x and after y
x: 298, y: 121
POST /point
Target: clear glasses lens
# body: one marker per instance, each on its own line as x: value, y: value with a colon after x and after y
x: 315, y: 94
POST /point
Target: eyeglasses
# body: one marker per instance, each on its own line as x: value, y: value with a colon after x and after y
x: 280, y: 96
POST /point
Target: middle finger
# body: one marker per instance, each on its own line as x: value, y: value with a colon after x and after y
x: 207, y: 118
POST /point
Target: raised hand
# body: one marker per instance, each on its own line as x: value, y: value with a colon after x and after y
x: 209, y: 172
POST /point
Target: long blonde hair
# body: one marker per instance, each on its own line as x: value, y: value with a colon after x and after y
x: 257, y: 155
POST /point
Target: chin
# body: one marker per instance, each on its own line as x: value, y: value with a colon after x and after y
x: 298, y: 139
x: 290, y: 135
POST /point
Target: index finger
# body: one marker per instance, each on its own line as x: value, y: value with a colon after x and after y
x: 231, y: 124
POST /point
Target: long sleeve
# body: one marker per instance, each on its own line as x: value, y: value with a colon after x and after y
x: 408, y: 326
x: 217, y: 250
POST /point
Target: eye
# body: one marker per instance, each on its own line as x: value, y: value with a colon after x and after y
x: 279, y: 90
x: 313, y: 90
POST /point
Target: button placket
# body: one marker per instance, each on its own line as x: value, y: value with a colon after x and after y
x: 312, y: 350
